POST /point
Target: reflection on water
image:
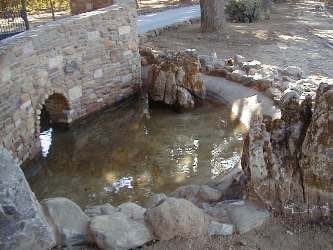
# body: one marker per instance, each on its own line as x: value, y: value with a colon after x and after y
x: 46, y: 141
x: 119, y: 156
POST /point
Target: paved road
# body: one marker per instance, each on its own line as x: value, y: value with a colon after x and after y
x: 165, y: 18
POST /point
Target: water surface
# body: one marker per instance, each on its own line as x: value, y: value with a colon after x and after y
x: 119, y: 156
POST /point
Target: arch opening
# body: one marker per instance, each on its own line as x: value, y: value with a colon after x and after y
x: 55, y: 113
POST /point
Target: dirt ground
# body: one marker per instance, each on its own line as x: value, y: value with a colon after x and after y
x: 297, y: 34
x: 277, y: 234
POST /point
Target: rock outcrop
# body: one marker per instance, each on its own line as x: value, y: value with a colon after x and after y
x: 176, y: 80
x: 288, y: 161
x: 317, y: 152
x: 22, y: 222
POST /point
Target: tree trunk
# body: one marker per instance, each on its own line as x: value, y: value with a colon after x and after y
x: 212, y: 15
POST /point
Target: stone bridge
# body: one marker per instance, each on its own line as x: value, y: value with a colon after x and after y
x: 70, y: 68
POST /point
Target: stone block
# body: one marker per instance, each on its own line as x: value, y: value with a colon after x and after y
x: 55, y: 62
x: 123, y: 30
x: 75, y: 93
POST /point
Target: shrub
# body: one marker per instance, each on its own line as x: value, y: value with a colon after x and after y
x: 246, y: 11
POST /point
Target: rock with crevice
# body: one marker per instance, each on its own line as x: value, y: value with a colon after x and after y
x: 288, y: 161
x: 176, y: 80
x: 317, y: 152
x: 22, y: 222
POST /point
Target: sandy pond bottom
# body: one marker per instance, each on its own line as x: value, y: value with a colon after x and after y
x: 118, y: 156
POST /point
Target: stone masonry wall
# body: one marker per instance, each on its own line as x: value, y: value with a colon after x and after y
x: 91, y: 59
x: 81, y: 6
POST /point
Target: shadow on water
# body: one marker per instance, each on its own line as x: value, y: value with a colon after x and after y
x: 119, y: 156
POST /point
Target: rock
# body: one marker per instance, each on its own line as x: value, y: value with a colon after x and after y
x: 252, y: 64
x: 132, y: 210
x: 238, y: 76
x: 238, y: 59
x: 22, y: 222
x: 69, y: 222
x: 176, y: 217
x: 209, y: 194
x: 118, y: 231
x: 289, y: 106
x: 293, y: 71
x: 155, y: 200
x: 174, y: 77
x: 105, y: 209
x: 185, y: 100
x: 197, y: 194
x: 246, y: 216
x: 317, y: 151
x: 219, y: 229
x: 216, y: 212
x: 188, y: 192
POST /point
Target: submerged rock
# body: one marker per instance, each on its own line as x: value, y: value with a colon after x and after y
x: 176, y: 217
x: 22, y: 222
x: 197, y: 194
x: 70, y: 223
x: 176, y: 80
x: 118, y: 231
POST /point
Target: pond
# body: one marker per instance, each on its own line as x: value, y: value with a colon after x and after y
x: 118, y: 156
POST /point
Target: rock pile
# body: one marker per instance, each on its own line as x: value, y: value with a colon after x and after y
x: 288, y: 161
x: 175, y: 79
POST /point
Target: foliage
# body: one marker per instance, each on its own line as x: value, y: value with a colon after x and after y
x: 38, y: 5
x: 35, y: 5
x: 246, y: 11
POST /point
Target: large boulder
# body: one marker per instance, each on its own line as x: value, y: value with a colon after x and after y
x: 176, y: 80
x: 22, y: 222
x: 118, y: 232
x: 70, y: 224
x: 176, y: 217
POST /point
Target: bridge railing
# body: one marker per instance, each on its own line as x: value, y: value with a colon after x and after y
x: 13, y: 18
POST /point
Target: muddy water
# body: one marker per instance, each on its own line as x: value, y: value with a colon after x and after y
x: 118, y: 156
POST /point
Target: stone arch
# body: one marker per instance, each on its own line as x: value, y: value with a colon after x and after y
x: 54, y: 110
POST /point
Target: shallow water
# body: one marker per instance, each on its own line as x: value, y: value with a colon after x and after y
x: 119, y: 156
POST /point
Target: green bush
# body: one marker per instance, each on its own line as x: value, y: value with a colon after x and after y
x: 246, y: 11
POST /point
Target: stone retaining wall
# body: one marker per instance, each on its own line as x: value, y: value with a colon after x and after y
x: 92, y: 60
